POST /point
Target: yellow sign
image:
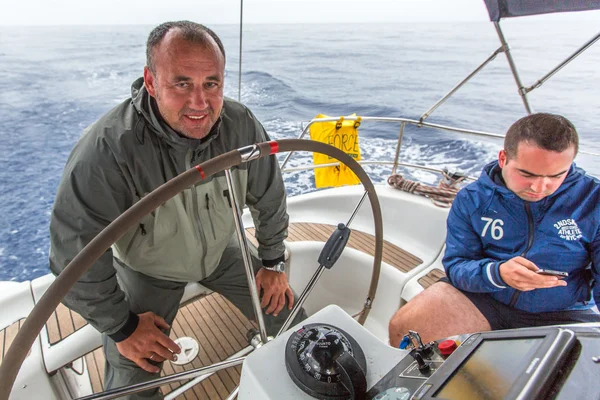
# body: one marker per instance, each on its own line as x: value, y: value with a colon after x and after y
x: 342, y: 134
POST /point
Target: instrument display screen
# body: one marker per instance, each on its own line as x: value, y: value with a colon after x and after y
x: 491, y: 370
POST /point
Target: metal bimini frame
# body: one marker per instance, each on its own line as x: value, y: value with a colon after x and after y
x: 523, y: 90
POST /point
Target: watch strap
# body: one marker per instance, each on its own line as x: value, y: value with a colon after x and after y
x: 270, y: 263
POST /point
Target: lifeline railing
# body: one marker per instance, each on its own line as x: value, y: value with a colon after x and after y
x: 396, y: 162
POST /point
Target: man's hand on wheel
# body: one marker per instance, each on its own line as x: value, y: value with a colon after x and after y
x: 275, y: 290
x: 520, y: 273
x: 148, y: 342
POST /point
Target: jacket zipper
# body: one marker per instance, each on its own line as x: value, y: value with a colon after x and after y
x: 517, y: 293
x: 141, y: 229
x: 195, y: 202
x: 212, y: 226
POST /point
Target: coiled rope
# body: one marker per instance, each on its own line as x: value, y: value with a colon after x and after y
x: 441, y: 196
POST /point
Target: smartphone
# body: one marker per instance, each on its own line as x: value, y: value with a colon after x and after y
x: 552, y: 272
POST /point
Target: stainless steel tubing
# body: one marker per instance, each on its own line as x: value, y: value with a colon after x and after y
x: 247, y: 258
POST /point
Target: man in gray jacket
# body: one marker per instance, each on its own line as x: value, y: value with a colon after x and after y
x: 175, y: 119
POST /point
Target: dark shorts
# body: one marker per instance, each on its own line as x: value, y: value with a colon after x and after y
x: 502, y: 316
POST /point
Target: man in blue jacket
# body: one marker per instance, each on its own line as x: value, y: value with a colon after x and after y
x: 532, y: 209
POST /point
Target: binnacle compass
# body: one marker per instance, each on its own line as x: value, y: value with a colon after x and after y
x: 326, y: 362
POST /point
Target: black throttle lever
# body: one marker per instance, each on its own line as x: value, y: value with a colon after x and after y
x: 334, y: 246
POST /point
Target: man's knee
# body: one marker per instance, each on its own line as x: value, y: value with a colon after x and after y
x: 431, y: 298
x: 425, y: 312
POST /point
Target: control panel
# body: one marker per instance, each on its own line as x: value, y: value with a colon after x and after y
x: 324, y: 355
x: 404, y: 380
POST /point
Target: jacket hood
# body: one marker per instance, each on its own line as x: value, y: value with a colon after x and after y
x: 146, y: 106
x: 491, y: 179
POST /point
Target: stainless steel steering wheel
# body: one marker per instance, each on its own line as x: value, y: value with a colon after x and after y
x: 91, y: 253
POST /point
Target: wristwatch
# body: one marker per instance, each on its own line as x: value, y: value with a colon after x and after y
x: 279, y: 267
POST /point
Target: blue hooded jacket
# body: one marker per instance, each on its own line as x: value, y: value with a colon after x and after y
x: 489, y: 224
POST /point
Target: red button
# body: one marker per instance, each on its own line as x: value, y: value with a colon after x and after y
x: 447, y: 347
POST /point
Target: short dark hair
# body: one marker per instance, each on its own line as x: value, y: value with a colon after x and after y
x: 547, y: 131
x: 190, y: 31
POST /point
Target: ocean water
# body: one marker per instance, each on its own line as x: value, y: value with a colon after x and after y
x: 55, y: 81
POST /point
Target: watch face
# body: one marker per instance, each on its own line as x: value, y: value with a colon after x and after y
x: 280, y: 267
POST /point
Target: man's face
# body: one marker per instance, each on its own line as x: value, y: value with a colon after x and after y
x: 535, y: 173
x: 187, y: 84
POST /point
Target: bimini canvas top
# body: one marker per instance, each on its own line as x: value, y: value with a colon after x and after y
x: 518, y: 8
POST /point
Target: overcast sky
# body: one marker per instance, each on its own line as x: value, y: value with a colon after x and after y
x: 59, y: 12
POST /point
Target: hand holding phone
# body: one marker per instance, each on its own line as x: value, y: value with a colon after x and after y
x: 520, y: 273
x: 551, y: 272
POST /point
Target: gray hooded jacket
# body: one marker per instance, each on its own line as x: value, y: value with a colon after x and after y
x: 127, y: 154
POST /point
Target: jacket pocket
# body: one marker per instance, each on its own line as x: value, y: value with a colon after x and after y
x: 140, y: 231
x: 140, y: 235
x: 169, y: 249
x: 216, y: 217
x: 165, y: 223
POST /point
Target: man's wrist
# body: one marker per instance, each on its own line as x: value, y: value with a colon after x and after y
x: 495, y: 275
x: 271, y: 263
x: 127, y: 329
x: 279, y: 267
